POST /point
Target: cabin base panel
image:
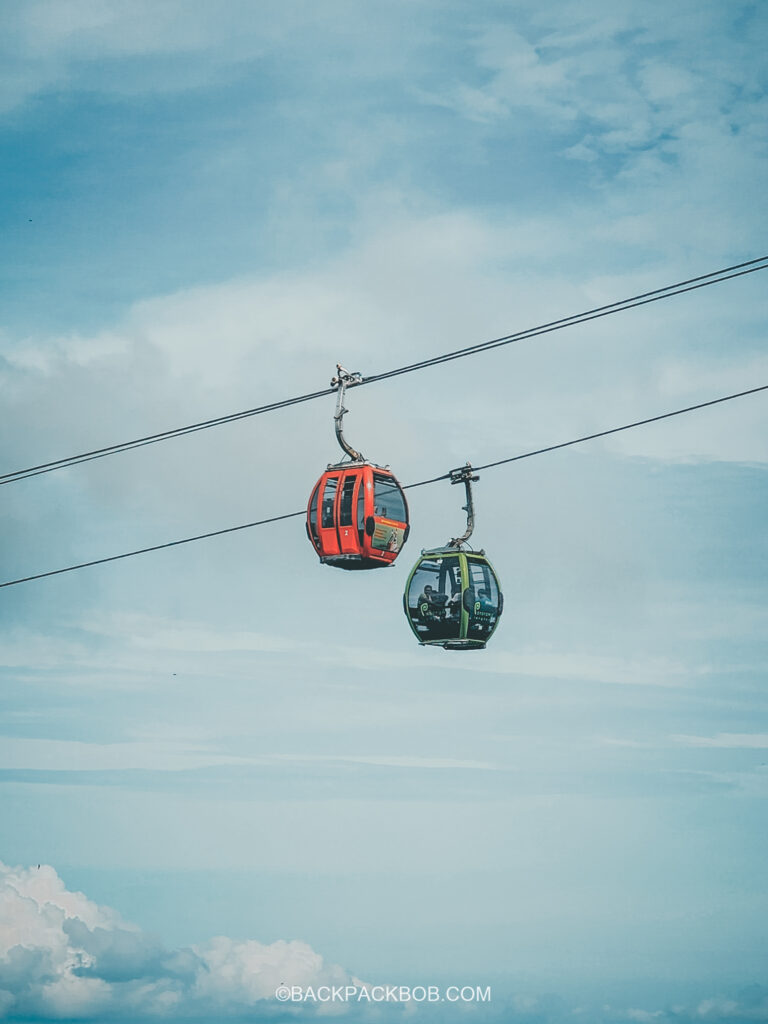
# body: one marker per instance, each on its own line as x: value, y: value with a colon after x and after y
x: 353, y: 562
x: 455, y: 645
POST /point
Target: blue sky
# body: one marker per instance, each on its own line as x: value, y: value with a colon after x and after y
x: 235, y: 766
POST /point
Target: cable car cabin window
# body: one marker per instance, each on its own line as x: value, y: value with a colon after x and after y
x: 329, y: 497
x: 313, y: 513
x: 483, y: 606
x: 388, y: 499
x: 361, y: 510
x: 345, y: 510
x: 434, y: 599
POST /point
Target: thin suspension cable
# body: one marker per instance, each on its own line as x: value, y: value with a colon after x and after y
x: 421, y: 483
x: 600, y: 433
x: 578, y: 318
x: 100, y: 453
x: 692, y: 284
x: 155, y: 547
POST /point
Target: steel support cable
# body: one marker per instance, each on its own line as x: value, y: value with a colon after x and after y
x: 578, y: 318
x: 600, y: 433
x: 669, y: 291
x: 420, y: 483
x: 100, y: 453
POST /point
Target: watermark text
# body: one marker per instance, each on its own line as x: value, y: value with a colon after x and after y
x: 383, y: 994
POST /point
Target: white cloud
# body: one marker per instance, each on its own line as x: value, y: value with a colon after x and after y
x: 247, y: 971
x: 62, y: 957
x: 91, y: 44
x: 200, y: 639
x: 52, y: 45
x: 719, y: 1009
x: 726, y: 741
x: 391, y: 761
x: 160, y: 753
x: 590, y: 668
x: 75, y: 755
x: 572, y: 68
x: 39, y: 967
x: 421, y: 284
x: 52, y: 354
x: 36, y: 902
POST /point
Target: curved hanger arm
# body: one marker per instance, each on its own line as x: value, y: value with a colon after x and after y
x: 464, y: 475
x: 343, y: 380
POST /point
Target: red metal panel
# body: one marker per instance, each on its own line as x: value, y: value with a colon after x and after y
x: 388, y: 535
x: 339, y: 523
x: 312, y: 514
x: 347, y: 529
x: 326, y: 524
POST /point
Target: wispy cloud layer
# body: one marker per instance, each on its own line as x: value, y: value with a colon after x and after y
x: 727, y: 741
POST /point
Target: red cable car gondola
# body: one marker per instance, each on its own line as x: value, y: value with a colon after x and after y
x: 357, y: 517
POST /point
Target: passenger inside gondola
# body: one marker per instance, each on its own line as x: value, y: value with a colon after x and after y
x: 424, y: 602
x: 483, y: 615
x: 436, y: 612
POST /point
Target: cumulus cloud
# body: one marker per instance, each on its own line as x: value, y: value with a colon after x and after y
x: 62, y: 956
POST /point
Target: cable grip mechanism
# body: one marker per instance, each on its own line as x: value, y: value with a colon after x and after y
x: 465, y: 475
x: 341, y: 381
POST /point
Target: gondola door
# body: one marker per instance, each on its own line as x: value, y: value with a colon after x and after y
x: 326, y: 518
x: 348, y: 542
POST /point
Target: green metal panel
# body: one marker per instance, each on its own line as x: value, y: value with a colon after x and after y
x: 462, y: 561
x: 464, y: 585
x: 406, y: 609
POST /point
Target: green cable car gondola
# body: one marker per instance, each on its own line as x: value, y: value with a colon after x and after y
x: 452, y: 598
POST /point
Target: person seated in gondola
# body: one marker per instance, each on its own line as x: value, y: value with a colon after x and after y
x: 424, y: 603
x: 483, y: 611
x: 431, y: 605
